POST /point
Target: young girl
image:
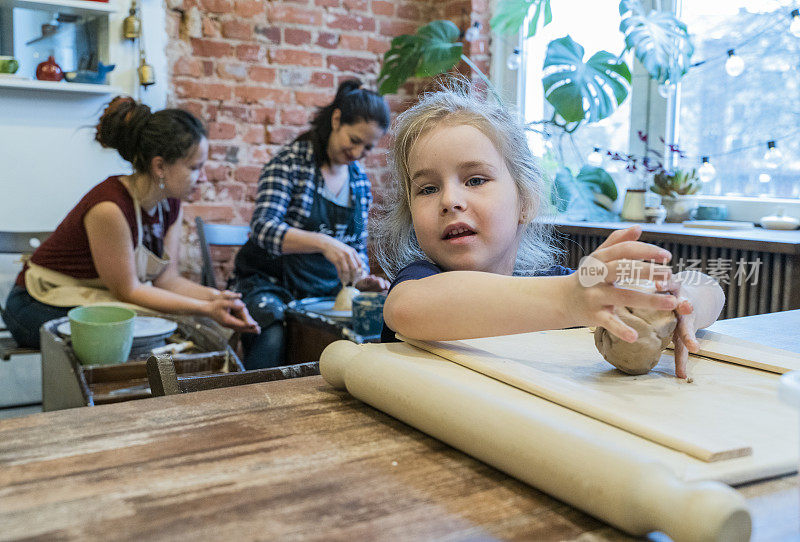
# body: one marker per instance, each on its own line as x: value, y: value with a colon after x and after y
x: 466, y: 256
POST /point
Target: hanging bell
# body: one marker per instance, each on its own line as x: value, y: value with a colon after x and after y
x: 146, y: 75
x: 132, y: 26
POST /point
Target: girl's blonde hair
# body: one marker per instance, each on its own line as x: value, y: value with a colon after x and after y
x: 456, y: 103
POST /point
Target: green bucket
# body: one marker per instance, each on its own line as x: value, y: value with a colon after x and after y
x: 101, y: 335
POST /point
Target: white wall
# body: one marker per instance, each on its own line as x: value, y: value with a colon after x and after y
x: 49, y: 159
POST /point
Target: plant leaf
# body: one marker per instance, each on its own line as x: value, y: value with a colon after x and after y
x: 434, y: 49
x: 583, y: 91
x: 585, y: 197
x: 563, y: 189
x: 511, y: 16
x: 441, y: 49
x: 598, y: 180
x: 399, y: 63
x: 660, y: 41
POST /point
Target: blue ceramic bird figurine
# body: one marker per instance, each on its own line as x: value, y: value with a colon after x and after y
x: 86, y: 76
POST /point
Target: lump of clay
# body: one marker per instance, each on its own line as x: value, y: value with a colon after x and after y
x: 655, y: 331
x: 344, y: 300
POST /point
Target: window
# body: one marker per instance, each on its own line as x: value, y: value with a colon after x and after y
x: 731, y: 119
x: 596, y: 28
x: 728, y: 119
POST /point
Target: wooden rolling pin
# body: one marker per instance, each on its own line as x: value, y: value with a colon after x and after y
x: 495, y: 423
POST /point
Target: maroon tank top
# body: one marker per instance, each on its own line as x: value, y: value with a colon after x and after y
x: 67, y: 249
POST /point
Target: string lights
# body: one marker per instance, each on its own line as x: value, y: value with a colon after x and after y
x: 513, y: 61
x: 707, y: 171
x: 734, y: 66
x: 666, y: 89
x: 773, y: 157
x: 794, y: 26
x: 473, y: 32
x: 595, y: 158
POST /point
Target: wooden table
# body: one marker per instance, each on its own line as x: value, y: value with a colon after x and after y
x: 293, y: 460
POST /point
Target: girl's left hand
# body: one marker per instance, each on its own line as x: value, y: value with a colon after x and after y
x: 372, y: 283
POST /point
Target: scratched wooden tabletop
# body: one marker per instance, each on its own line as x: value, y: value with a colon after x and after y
x: 288, y: 460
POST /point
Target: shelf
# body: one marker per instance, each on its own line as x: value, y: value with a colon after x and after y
x: 52, y: 86
x: 77, y: 7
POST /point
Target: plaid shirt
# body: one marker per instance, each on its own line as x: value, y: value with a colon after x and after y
x: 286, y: 193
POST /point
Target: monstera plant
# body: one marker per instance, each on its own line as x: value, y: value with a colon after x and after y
x: 659, y: 41
x: 434, y: 49
x: 580, y: 90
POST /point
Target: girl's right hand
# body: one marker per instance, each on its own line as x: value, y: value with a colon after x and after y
x: 595, y: 294
x: 233, y: 314
x: 344, y: 258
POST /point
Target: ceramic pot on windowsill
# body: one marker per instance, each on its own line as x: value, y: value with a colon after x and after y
x: 679, y: 208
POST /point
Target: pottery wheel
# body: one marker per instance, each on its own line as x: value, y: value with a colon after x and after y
x: 144, y: 327
x: 324, y: 306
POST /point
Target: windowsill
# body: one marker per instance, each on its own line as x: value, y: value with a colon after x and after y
x: 752, y: 209
x: 757, y: 239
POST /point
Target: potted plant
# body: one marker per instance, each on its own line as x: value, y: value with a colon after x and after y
x: 677, y: 190
x: 581, y: 90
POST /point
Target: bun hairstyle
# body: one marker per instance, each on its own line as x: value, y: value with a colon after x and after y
x: 356, y: 104
x: 140, y: 135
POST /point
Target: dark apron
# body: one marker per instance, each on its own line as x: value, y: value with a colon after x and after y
x: 297, y: 276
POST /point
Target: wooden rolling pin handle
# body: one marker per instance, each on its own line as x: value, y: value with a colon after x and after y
x: 698, y: 511
x: 497, y: 424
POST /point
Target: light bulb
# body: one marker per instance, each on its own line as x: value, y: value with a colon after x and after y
x: 764, y: 178
x: 734, y: 66
x: 707, y: 171
x: 666, y: 89
x: 773, y: 157
x: 595, y: 158
x: 513, y: 61
x: 794, y: 26
x: 473, y: 32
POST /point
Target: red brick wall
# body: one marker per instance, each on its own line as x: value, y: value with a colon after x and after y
x: 254, y: 71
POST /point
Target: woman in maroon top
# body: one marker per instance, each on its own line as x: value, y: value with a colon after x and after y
x: 121, y: 241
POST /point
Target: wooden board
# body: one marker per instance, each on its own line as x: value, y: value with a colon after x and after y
x: 733, y: 350
x: 720, y: 415
x: 775, y: 449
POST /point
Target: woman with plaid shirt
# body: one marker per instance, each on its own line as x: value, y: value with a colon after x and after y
x: 309, y: 227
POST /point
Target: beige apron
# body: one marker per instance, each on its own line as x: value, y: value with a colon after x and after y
x: 60, y: 290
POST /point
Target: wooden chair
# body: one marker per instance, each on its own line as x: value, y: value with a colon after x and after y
x: 226, y: 235
x: 165, y: 381
x: 24, y: 243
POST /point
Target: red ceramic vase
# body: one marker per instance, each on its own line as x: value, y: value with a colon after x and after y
x: 49, y: 70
